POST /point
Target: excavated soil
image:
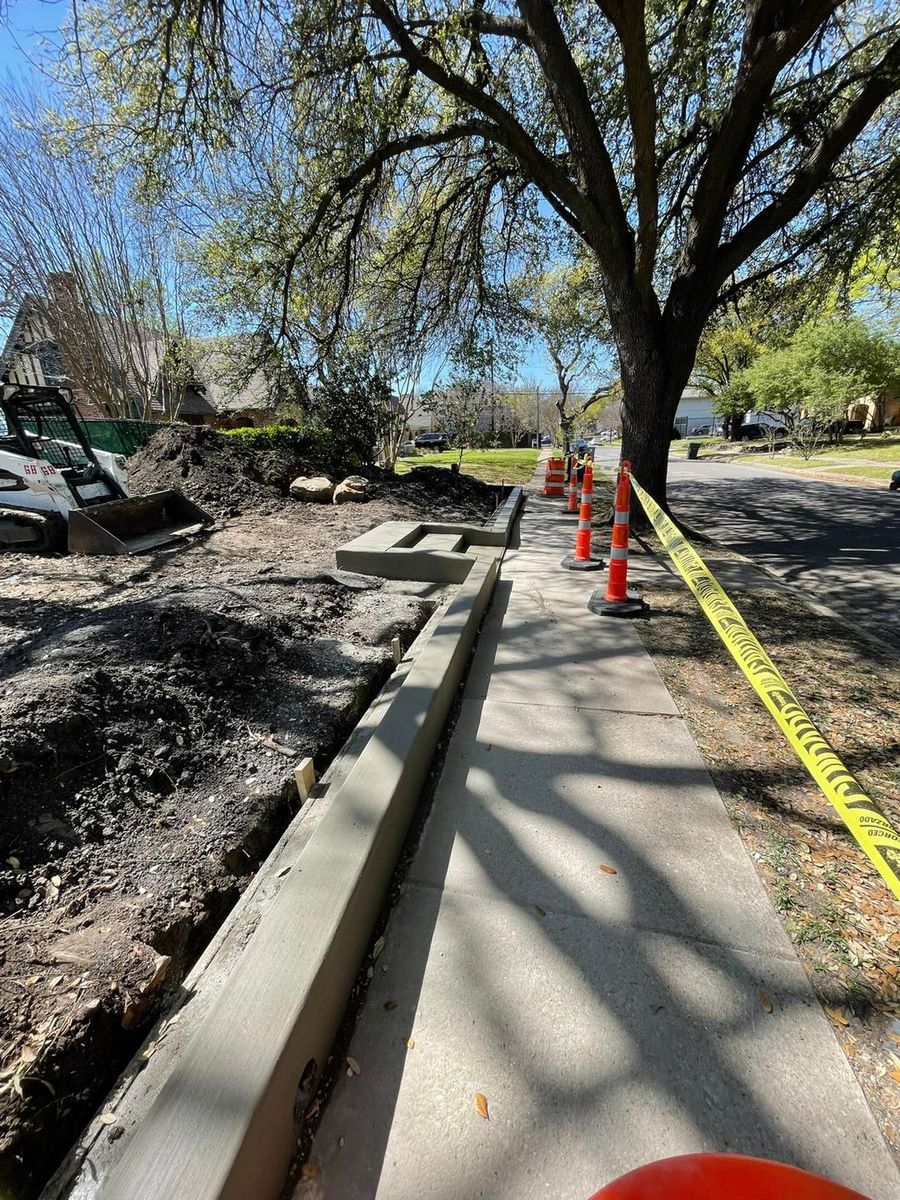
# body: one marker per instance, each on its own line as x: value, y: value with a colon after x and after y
x: 151, y: 714
x: 229, y: 478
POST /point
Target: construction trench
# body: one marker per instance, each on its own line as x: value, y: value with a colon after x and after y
x: 153, y: 712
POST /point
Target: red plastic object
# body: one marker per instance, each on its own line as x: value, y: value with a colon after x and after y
x: 722, y: 1177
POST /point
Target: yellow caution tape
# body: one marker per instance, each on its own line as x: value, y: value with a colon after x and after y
x: 872, y: 830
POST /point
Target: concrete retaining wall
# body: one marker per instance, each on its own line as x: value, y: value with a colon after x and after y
x: 222, y: 1124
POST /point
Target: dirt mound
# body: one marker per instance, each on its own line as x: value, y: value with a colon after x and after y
x: 450, y: 496
x: 231, y: 478
x: 220, y: 473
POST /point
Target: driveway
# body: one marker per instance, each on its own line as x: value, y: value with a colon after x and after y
x: 839, y: 543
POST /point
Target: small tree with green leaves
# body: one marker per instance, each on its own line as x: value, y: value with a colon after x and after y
x: 810, y: 382
x: 462, y: 409
x: 348, y: 404
x: 561, y: 307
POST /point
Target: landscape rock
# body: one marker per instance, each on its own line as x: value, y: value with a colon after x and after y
x: 317, y: 488
x: 354, y: 487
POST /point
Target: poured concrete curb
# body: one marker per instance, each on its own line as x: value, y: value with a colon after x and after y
x: 222, y: 1125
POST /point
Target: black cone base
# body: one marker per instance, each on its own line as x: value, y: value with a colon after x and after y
x: 633, y: 606
x: 569, y: 512
x: 571, y: 563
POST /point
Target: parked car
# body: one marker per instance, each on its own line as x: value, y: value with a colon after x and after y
x: 546, y: 440
x: 894, y: 485
x: 407, y: 448
x: 749, y: 433
x: 603, y: 437
x: 580, y: 444
x: 433, y: 441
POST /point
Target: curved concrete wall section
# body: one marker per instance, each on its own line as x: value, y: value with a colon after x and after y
x: 222, y: 1126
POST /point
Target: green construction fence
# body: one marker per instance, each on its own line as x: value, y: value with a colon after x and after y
x: 121, y: 436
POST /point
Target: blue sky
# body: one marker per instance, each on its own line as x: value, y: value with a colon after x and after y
x: 26, y: 23
x: 29, y: 23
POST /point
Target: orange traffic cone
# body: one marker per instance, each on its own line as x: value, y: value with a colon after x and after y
x: 572, y: 506
x: 615, y: 601
x: 582, y: 559
x: 555, y: 477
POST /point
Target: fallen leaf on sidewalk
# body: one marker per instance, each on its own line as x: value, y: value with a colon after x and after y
x: 838, y: 1014
x: 390, y: 1005
x: 352, y: 1066
x: 895, y: 1075
x: 481, y: 1105
x: 107, y: 1118
x: 410, y: 1043
x: 310, y: 1170
x: 605, y: 867
x: 541, y: 912
x: 763, y: 996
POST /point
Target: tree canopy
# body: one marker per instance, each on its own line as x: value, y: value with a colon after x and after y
x: 690, y: 149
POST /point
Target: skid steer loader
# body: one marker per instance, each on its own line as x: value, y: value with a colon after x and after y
x: 53, y: 483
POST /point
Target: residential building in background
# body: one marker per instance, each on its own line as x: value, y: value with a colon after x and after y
x: 54, y: 342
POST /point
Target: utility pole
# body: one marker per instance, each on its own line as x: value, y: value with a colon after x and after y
x: 493, y: 402
x: 537, y: 416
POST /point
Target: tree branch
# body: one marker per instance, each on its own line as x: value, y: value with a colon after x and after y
x: 571, y: 101
x: 773, y: 35
x: 498, y: 25
x: 812, y: 173
x: 506, y: 130
x: 628, y: 19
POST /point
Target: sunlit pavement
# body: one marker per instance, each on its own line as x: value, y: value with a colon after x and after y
x: 582, y: 940
x: 841, y: 544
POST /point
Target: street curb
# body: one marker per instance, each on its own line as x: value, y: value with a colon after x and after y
x: 222, y: 1124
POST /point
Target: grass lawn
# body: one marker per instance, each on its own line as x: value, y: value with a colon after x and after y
x: 881, y: 474
x: 881, y: 447
x: 491, y: 466
x: 822, y: 467
x: 679, y: 447
x: 874, y: 448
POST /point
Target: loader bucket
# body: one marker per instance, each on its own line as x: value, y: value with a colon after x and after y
x: 135, y: 525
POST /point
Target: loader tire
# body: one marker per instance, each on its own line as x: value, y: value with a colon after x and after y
x: 29, y: 532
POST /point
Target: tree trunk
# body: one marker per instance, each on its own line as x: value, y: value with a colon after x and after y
x: 650, y: 398
x: 734, y: 428
x: 647, y: 421
x: 656, y: 356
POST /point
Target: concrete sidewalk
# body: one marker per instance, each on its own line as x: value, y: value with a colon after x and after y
x: 609, y: 1019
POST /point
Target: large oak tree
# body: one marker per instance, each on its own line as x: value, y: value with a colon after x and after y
x: 692, y: 146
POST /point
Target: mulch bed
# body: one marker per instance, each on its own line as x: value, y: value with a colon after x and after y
x: 838, y: 913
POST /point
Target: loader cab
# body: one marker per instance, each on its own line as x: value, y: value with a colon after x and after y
x: 41, y: 423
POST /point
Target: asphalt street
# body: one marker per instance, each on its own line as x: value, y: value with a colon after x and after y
x: 839, y: 543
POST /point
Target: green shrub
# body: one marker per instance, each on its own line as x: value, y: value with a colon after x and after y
x: 315, y: 444
x: 350, y: 403
x: 264, y: 436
